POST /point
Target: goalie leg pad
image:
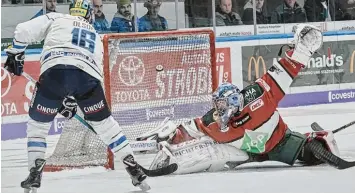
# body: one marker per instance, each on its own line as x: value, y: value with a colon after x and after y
x: 111, y: 134
x: 197, y: 155
x: 36, y: 140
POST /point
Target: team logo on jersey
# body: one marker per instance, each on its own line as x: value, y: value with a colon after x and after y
x: 251, y: 93
x: 254, y: 141
x: 131, y: 71
x: 256, y: 105
x: 5, y: 82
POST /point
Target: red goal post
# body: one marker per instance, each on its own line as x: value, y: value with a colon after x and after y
x: 147, y: 77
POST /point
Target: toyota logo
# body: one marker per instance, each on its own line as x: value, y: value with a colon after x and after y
x: 5, y: 82
x: 131, y: 71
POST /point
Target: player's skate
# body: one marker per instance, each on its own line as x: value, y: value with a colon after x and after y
x: 33, y: 181
x: 135, y: 171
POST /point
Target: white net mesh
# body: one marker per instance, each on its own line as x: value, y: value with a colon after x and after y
x: 157, y: 77
x: 77, y: 147
x: 151, y: 78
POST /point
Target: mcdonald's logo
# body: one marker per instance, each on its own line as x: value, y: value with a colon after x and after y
x: 352, y: 62
x: 256, y: 63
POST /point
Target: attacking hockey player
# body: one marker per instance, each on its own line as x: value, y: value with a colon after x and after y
x: 71, y: 65
x: 245, y: 126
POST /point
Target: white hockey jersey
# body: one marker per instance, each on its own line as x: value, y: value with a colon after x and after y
x: 68, y: 40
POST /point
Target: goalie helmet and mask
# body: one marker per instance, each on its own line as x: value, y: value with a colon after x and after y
x: 82, y: 8
x: 227, y: 101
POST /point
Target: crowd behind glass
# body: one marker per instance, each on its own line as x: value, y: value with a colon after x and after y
x: 199, y: 13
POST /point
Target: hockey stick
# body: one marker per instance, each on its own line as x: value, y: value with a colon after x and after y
x: 316, y: 127
x: 151, y: 173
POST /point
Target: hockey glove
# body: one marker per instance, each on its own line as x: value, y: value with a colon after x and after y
x: 69, y: 108
x: 307, y: 40
x: 14, y: 62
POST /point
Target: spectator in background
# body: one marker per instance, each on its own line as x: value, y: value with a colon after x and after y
x: 152, y: 21
x: 261, y: 16
x: 288, y: 12
x: 225, y: 16
x: 100, y: 24
x: 347, y: 7
x: 123, y: 20
x: 50, y: 7
x: 322, y: 10
x: 199, y: 13
x: 4, y: 2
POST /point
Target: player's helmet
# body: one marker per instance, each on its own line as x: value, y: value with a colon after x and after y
x: 81, y: 8
x: 227, y: 102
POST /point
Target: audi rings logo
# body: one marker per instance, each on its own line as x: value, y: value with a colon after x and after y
x: 131, y: 71
x: 5, y: 82
x: 256, y: 63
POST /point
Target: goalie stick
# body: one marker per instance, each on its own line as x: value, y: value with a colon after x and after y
x: 151, y: 173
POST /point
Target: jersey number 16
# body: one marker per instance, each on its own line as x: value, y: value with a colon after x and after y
x: 84, y: 39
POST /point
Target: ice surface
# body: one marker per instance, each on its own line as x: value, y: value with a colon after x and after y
x: 255, y: 177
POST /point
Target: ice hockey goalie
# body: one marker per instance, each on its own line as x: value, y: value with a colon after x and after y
x: 244, y: 125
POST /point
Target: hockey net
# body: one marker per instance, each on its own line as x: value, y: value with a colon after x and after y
x: 148, y: 77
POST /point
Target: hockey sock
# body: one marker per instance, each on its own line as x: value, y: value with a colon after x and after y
x: 36, y: 140
x: 112, y: 135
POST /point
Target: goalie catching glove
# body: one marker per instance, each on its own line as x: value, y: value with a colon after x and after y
x: 68, y: 108
x: 307, y: 40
